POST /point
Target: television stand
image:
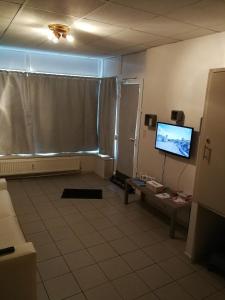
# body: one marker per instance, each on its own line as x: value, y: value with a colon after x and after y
x: 167, y: 206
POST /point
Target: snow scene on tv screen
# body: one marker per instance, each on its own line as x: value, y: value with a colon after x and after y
x: 174, y: 139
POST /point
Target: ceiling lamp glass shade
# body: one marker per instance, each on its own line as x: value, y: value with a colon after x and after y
x: 52, y: 37
x: 55, y: 40
x: 70, y: 38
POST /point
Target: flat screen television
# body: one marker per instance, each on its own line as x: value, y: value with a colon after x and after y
x: 174, y: 139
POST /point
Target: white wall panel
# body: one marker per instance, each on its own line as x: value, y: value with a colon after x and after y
x: 128, y: 66
x: 111, y: 66
x: 12, y: 60
x: 133, y: 65
x: 64, y: 64
x: 46, y: 62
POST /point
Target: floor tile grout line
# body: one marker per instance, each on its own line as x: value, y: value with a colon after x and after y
x: 36, y: 266
x: 59, y: 256
x: 46, y: 292
x: 177, y: 281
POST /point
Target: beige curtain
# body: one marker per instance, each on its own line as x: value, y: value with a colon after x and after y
x: 64, y: 111
x: 107, y: 115
x: 15, y: 118
x: 47, y: 113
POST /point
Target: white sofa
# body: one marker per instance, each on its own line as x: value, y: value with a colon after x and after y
x: 17, y: 269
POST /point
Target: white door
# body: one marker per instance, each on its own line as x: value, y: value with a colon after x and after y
x: 128, y: 128
x: 210, y: 178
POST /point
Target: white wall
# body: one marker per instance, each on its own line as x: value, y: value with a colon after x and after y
x: 175, y: 77
x: 46, y: 62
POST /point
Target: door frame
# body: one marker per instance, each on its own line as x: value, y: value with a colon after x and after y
x: 140, y: 82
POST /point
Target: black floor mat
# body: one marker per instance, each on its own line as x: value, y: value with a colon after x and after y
x: 82, y: 193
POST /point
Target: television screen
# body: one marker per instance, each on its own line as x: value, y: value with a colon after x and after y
x: 174, y: 139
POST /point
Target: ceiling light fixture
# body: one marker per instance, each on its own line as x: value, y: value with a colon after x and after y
x: 58, y: 31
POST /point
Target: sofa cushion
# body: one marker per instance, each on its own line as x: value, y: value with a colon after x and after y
x: 6, y: 208
x: 10, y: 232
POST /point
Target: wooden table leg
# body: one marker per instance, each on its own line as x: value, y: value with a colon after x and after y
x: 126, y: 193
x: 173, y: 218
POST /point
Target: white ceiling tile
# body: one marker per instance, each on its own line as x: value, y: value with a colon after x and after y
x: 109, y: 27
x: 76, y: 48
x: 18, y: 35
x: 132, y: 37
x: 86, y: 31
x: 161, y: 41
x: 87, y: 50
x: 83, y: 37
x: 125, y: 39
x: 90, y: 51
x: 96, y: 28
x: 163, y: 26
x: 37, y: 18
x: 131, y: 49
x: 207, y: 13
x: 8, y: 10
x: 194, y: 34
x: 33, y: 24
x: 107, y: 44
x: 4, y: 23
x: 119, y: 15
x: 78, y: 8
x: 15, y: 41
x: 156, y: 6
x: 61, y: 46
x: 15, y: 1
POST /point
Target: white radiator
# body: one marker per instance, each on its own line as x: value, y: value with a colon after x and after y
x: 38, y: 165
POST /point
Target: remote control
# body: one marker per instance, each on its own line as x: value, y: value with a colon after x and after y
x: 7, y: 250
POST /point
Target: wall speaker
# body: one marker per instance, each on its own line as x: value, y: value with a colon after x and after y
x: 178, y: 116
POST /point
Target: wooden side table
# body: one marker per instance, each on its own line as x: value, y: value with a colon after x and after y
x: 167, y: 206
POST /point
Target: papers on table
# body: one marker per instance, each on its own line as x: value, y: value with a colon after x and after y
x: 179, y: 200
x: 163, y: 196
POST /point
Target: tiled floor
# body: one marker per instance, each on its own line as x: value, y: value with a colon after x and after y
x: 102, y: 249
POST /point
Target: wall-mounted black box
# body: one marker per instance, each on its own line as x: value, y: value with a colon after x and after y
x: 150, y: 120
x: 178, y: 116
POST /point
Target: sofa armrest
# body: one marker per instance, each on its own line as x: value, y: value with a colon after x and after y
x: 3, y: 184
x: 18, y: 273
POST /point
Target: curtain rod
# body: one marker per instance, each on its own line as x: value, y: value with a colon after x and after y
x: 47, y: 74
x: 54, y: 74
x: 128, y: 78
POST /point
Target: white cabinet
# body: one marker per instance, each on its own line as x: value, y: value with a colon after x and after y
x: 104, y: 167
